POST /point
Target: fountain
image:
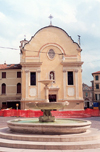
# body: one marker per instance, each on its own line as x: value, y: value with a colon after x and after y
x: 47, y: 106
x: 48, y: 133
x: 47, y: 123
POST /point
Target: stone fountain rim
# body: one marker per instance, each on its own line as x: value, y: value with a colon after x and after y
x: 83, y: 123
x: 47, y: 105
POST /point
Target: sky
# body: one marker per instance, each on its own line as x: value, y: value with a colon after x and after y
x: 76, y: 17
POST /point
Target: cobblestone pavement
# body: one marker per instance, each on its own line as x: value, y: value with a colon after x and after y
x: 3, y: 123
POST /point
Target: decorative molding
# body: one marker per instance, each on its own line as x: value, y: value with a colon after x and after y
x: 70, y: 64
x: 54, y: 88
x: 79, y: 49
x: 64, y: 70
x: 52, y: 44
x: 38, y: 71
x: 31, y: 64
x: 76, y: 71
x: 32, y: 58
x: 26, y: 71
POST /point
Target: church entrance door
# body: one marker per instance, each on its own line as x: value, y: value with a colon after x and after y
x: 52, y: 98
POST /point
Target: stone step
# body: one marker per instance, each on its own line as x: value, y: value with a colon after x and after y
x: 92, y: 134
x: 50, y: 145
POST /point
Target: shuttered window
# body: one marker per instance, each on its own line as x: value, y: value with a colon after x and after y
x: 3, y: 88
x: 3, y: 74
x: 18, y: 74
x: 19, y: 88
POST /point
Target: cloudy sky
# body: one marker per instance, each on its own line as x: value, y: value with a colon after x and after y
x: 76, y: 17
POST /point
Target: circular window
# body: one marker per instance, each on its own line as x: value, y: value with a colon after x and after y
x: 51, y: 54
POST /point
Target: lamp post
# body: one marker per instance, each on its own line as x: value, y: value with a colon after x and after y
x: 17, y: 108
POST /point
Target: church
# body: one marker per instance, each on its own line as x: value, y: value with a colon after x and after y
x: 50, y: 54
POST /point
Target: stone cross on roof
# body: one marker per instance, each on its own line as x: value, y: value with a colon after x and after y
x: 50, y: 19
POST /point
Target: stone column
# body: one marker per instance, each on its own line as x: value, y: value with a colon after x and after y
x: 27, y: 82
x: 76, y: 80
x: 46, y: 94
x: 64, y: 83
x: 22, y: 105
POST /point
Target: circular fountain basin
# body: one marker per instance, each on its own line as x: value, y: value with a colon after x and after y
x: 60, y: 126
x: 47, y: 105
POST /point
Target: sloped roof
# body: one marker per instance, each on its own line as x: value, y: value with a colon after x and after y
x: 98, y: 72
x: 10, y: 66
x: 86, y: 87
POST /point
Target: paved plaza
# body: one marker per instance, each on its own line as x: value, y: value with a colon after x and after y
x: 95, y: 124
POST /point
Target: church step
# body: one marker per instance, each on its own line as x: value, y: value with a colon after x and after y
x: 91, y: 134
x: 50, y: 145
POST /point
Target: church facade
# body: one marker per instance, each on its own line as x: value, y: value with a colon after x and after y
x: 51, y: 54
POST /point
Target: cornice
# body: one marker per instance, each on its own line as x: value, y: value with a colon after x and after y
x: 78, y: 63
x: 31, y: 64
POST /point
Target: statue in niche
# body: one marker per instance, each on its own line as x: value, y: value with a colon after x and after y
x: 52, y: 77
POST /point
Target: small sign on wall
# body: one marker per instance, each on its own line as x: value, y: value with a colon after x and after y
x: 32, y: 92
x: 71, y: 91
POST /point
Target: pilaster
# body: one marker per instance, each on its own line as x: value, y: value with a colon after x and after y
x: 64, y: 83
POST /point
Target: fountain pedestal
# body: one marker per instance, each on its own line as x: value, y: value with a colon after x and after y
x: 47, y: 116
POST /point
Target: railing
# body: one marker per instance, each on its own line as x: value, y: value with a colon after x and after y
x: 57, y: 114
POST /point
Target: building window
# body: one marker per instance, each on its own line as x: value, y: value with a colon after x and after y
x: 97, y: 97
x: 97, y: 86
x: 19, y: 88
x: 18, y: 74
x: 96, y: 77
x: 70, y: 78
x: 3, y: 88
x: 86, y: 94
x: 3, y: 74
x: 33, y: 78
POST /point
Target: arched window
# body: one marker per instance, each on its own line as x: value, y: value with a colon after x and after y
x: 3, y: 88
x: 18, y: 87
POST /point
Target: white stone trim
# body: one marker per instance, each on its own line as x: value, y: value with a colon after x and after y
x: 64, y: 83
x: 51, y: 44
x: 38, y: 75
x: 11, y: 85
x: 27, y: 74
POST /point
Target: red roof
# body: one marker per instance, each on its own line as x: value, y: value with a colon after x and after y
x: 98, y: 72
x: 10, y: 66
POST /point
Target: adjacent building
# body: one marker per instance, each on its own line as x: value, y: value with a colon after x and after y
x: 87, y: 96
x: 50, y: 54
x: 10, y: 85
x: 96, y: 87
